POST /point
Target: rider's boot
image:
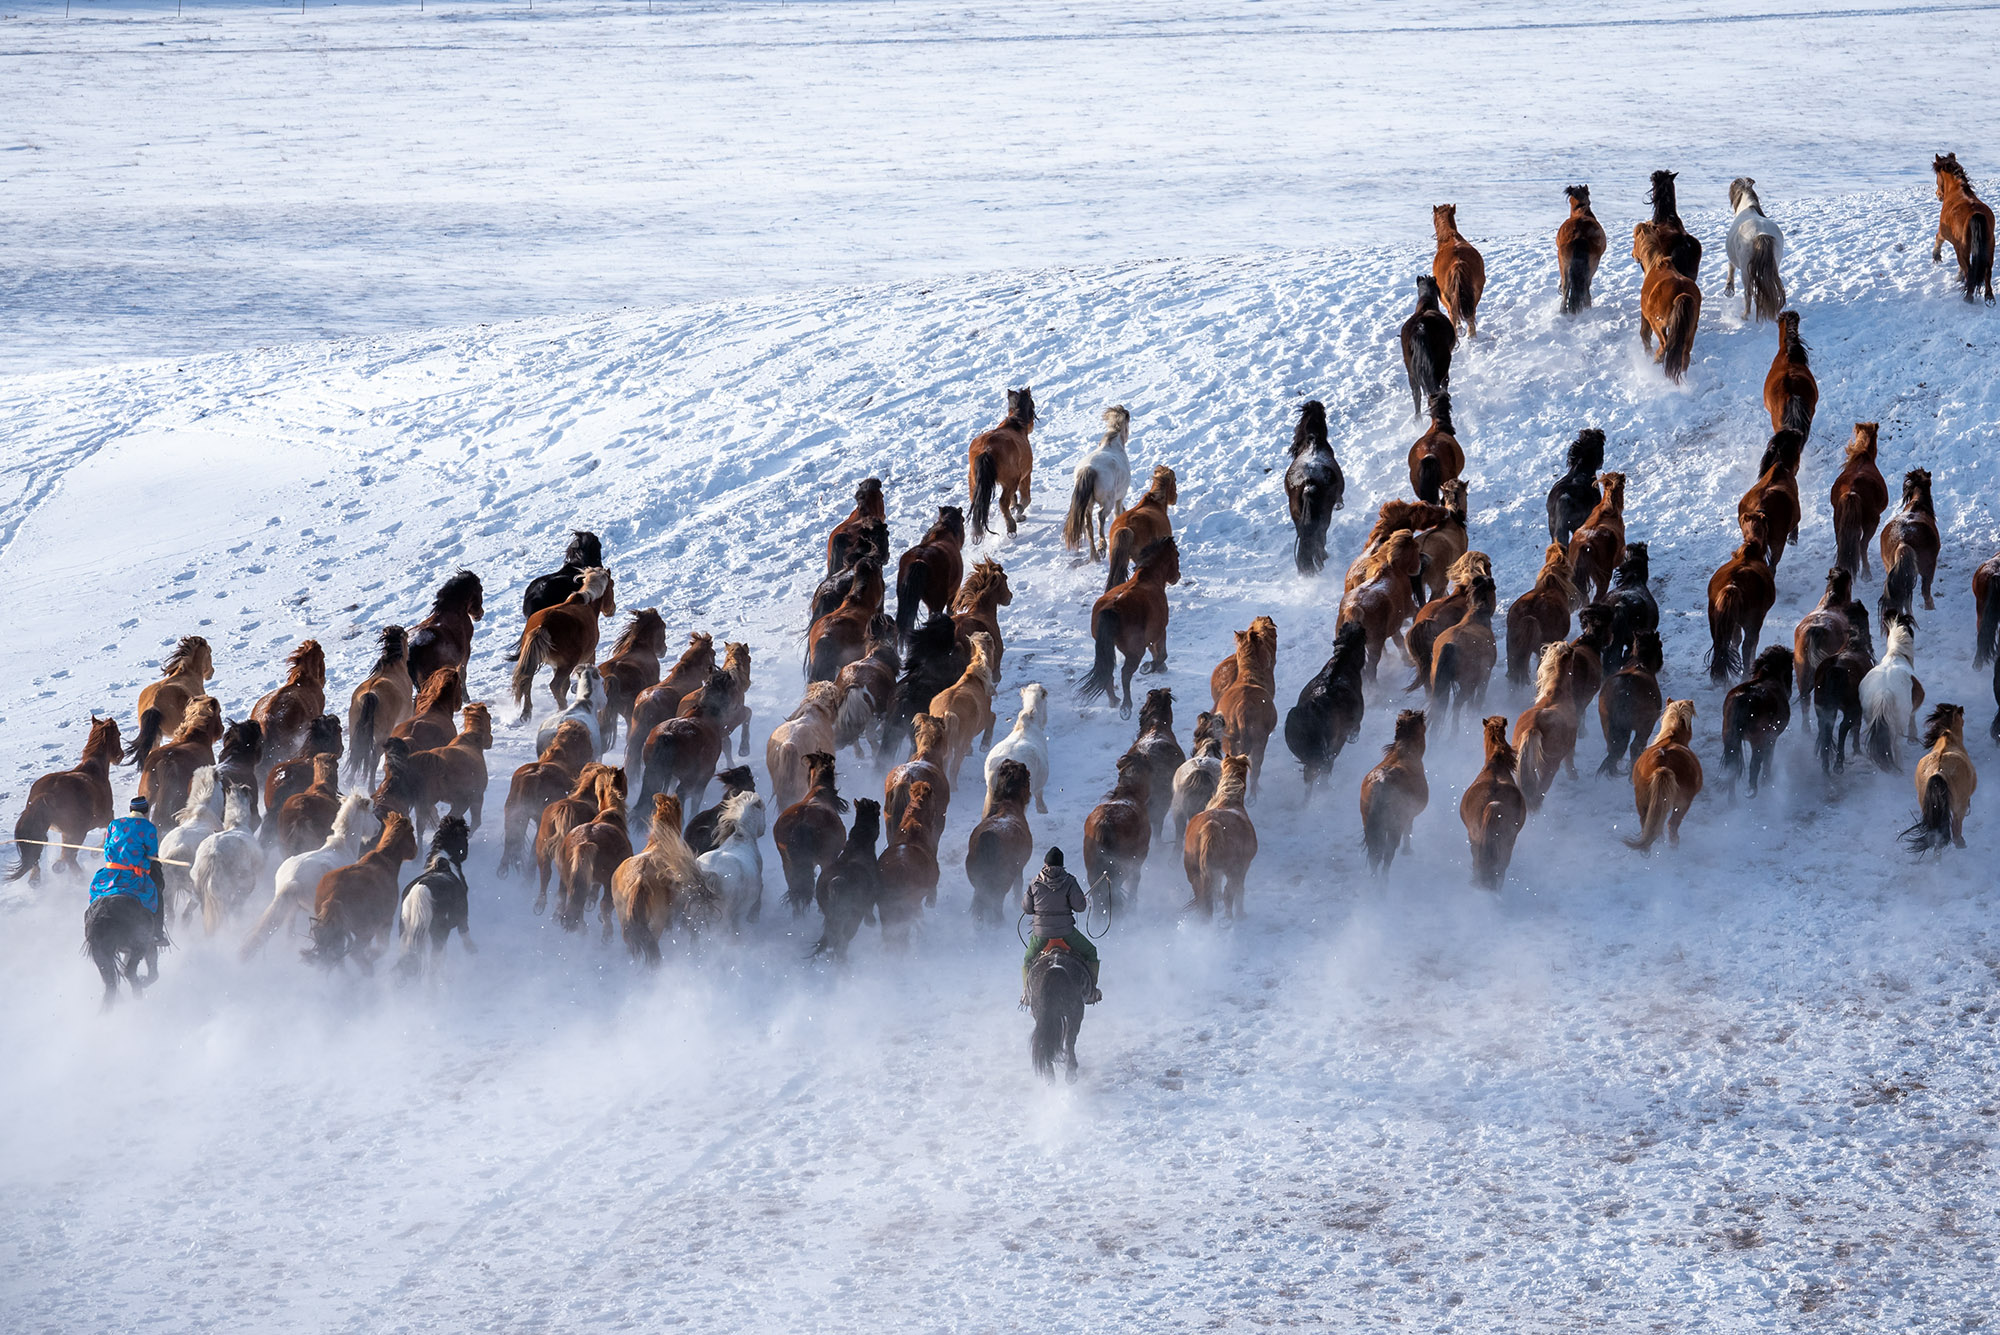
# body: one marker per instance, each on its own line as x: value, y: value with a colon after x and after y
x: 1093, y: 996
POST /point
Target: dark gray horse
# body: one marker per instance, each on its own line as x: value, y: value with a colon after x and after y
x: 119, y: 935
x: 1057, y: 982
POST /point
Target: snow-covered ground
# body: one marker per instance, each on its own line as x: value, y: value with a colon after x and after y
x: 1746, y: 1084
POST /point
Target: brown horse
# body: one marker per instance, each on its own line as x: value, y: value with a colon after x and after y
x: 966, y: 706
x: 287, y: 712
x: 1161, y: 750
x: 1986, y: 606
x: 1592, y: 644
x: 433, y: 718
x: 1540, y: 615
x: 1775, y: 494
x: 1545, y: 733
x: 660, y: 884
x: 1459, y: 270
x: 809, y: 833
x: 909, y: 867
x: 1221, y: 843
x: 1837, y: 691
x: 634, y: 665
x: 1265, y: 632
x: 1444, y: 542
x: 1117, y: 835
x: 1003, y: 459
x: 563, y: 636
x: 1395, y: 792
x: 590, y: 856
x: 1599, y: 544
x: 379, y: 704
x: 1669, y: 305
x: 867, y: 524
x: 1666, y: 778
x: 1412, y: 517
x: 1628, y: 704
x: 288, y: 778
x: 1966, y: 222
x: 1740, y: 594
x: 1248, y: 711
x: 656, y: 704
x: 1822, y: 632
x: 1462, y: 658
x: 1437, y: 457
x: 454, y: 774
x: 681, y: 753
x: 189, y: 665
x: 1914, y: 526
x: 998, y: 851
x: 931, y: 764
x: 867, y: 685
x: 1428, y: 338
x: 536, y: 784
x: 1442, y: 613
x: 355, y: 905
x: 977, y: 607
x: 1579, y: 248
x: 1755, y: 713
x: 1131, y: 619
x: 73, y: 802
x: 1384, y: 594
x: 168, y: 771
x: 1140, y: 527
x: 1493, y: 809
x: 306, y: 818
x: 841, y: 636
x: 1791, y: 395
x: 928, y: 575
x: 1859, y: 497
x: 444, y: 638
x: 565, y: 814
x: 1945, y: 782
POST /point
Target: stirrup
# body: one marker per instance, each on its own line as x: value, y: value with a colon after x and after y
x: 1092, y: 997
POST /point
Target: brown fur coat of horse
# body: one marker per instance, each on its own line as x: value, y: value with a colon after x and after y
x: 72, y: 802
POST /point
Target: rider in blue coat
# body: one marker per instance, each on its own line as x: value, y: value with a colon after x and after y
x: 131, y: 860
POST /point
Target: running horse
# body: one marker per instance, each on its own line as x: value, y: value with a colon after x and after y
x: 659, y: 884
x: 1493, y: 809
x: 1395, y: 792
x: 1666, y: 778
x: 189, y: 665
x: 1791, y: 394
x: 866, y: 528
x: 564, y: 636
x: 1945, y: 781
x: 1754, y: 245
x: 1459, y: 270
x: 1775, y: 494
x: 1669, y: 299
x: 1966, y: 222
x: 634, y: 665
x: 1437, y: 457
x: 167, y: 773
x: 379, y: 704
x: 1914, y: 526
x: 584, y: 552
x: 1579, y: 249
x: 928, y: 575
x: 1740, y: 594
x: 1384, y: 595
x: 74, y: 801
x: 1666, y: 233
x: 1131, y: 619
x: 286, y: 713
x: 1314, y: 488
x: 1598, y: 548
x: 444, y: 638
x: 1428, y: 338
x: 976, y: 607
x: 1859, y: 497
x: 1142, y: 525
x: 1540, y: 615
x: 1002, y: 459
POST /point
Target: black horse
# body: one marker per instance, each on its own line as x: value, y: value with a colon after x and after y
x: 1428, y: 338
x: 1328, y: 714
x: 584, y: 551
x: 1314, y: 488
x: 933, y: 661
x: 851, y: 886
x: 119, y: 935
x: 1057, y: 984
x: 434, y: 905
x: 1575, y: 493
x: 1837, y: 690
x: 1634, y: 610
x: 241, y: 758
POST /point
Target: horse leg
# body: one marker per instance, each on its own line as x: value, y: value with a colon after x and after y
x: 1937, y: 245
x: 1646, y: 333
x: 1927, y: 570
x: 1130, y: 666
x: 1009, y: 506
x: 743, y: 742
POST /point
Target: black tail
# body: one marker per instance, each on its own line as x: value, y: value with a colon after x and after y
x: 1989, y: 624
x: 1099, y: 682
x: 1933, y: 828
x: 1379, y: 836
x: 1760, y: 276
x: 1850, y: 535
x: 1118, y: 560
x: 1430, y: 476
x: 146, y: 738
x: 1798, y: 415
x: 361, y: 752
x: 1081, y: 498
x: 1423, y: 374
x: 910, y: 584
x: 1978, y: 256
x: 32, y: 825
x: 985, y: 473
x: 1880, y: 739
x: 1309, y: 541
x: 1732, y: 743
x: 1678, y: 341
x: 1724, y: 660
x: 1576, y: 281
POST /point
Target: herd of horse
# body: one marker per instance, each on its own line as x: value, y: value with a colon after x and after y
x: 906, y: 670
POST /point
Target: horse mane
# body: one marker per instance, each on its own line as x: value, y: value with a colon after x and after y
x: 1901, y: 641
x: 1440, y: 410
x: 1163, y: 489
x: 1863, y: 440
x: 1485, y: 597
x: 1311, y: 430
x: 1773, y: 663
x: 1676, y: 723
x: 1234, y: 786
x: 351, y: 807
x: 820, y: 777
x: 1944, y: 721
x: 186, y: 653
x: 1410, y: 724
x: 1157, y: 711
x: 664, y: 841
x: 821, y: 697
x: 982, y: 578
x: 584, y: 549
x: 595, y: 581
x: 1499, y: 751
x: 395, y: 648
x: 1648, y: 652
x: 1635, y: 569
x: 1578, y: 195
x: 1350, y: 644
x: 729, y: 815
x: 204, y: 714
x: 1663, y: 197
x: 926, y: 733
x: 1785, y: 447
x: 305, y: 660
x: 1790, y: 340
x: 935, y: 636
x: 1020, y: 409
x: 1557, y: 575
x: 1117, y: 422
x: 1255, y: 649
x: 1741, y: 187
x: 1947, y: 165
x: 1428, y: 297
x: 644, y: 623
x: 916, y: 811
x: 1012, y: 784
x: 736, y: 661
x: 1470, y: 563
x: 1916, y: 483
x: 700, y: 644
x: 1396, y: 516
x: 201, y: 792
x: 239, y: 806
x: 103, y: 740
x: 455, y: 592
x: 1593, y: 626
x: 443, y: 683
x: 1548, y: 673
x: 1154, y: 552
x: 1586, y: 453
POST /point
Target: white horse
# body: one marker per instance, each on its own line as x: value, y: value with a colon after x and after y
x: 1890, y: 694
x: 1027, y: 743
x: 299, y: 875
x: 1102, y: 481
x: 583, y: 707
x: 734, y: 868
x: 228, y: 863
x: 1755, y: 246
x: 201, y: 817
x: 1195, y: 783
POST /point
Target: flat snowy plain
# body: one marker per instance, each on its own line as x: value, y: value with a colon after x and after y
x: 1747, y: 1084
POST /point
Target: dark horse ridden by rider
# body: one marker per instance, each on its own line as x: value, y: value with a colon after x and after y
x: 123, y: 928
x: 1059, y: 972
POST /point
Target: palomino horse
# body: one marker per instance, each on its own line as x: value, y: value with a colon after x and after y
x: 287, y: 712
x: 1599, y: 544
x: 1246, y: 706
x: 536, y: 784
x: 1141, y: 526
x: 1545, y: 734
x: 1666, y: 778
x: 1437, y: 457
x: 1161, y: 750
x: 1539, y: 615
x: 1669, y: 305
x: 562, y: 816
x: 1411, y: 517
x: 928, y: 575
x: 1131, y: 619
x: 180, y: 684
x: 1575, y: 493
x: 977, y: 607
x: 1579, y: 248
x: 909, y: 868
x: 1459, y: 270
x: 866, y: 526
x: 1103, y: 480
x: 1441, y: 613
x: 850, y: 889
x: 1740, y: 594
x: 585, y: 552
x: 808, y: 730
x: 1837, y: 690
x: 563, y: 636
x: 1462, y: 658
x: 1666, y: 234
x: 840, y: 636
x: 1395, y: 793
x: 589, y: 859
x: 1117, y: 835
x: 1945, y: 780
x: 1755, y: 244
x: 1966, y: 222
x: 379, y: 704
x: 1003, y: 459
x: 74, y: 801
x: 1027, y: 745
x: 1221, y: 843
x: 1198, y: 777
x: 1890, y: 696
x: 930, y: 764
x: 1775, y: 494
x: 998, y: 850
x: 1755, y: 713
x: 1384, y: 594
x: 1493, y: 809
x: 1859, y: 497
x: 168, y: 771
x: 1314, y: 488
x: 1428, y: 338
x: 966, y: 706
x: 1446, y: 541
x: 433, y: 718
x: 1914, y: 526
x: 634, y: 665
x: 1328, y: 713
x: 658, y: 885
x: 353, y: 906
x: 1791, y: 394
x: 1822, y: 632
x: 1629, y: 702
x: 444, y: 637
x: 809, y: 832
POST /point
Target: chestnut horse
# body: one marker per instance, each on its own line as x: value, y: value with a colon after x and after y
x: 1775, y: 494
x: 590, y: 856
x: 1545, y: 734
x: 1669, y: 305
x: 997, y: 852
x: 976, y: 607
x: 168, y: 771
x: 1914, y: 526
x: 1161, y: 750
x: 1314, y: 488
x: 1118, y: 833
x: 808, y: 730
x: 1986, y: 608
x: 1666, y: 778
x: 1599, y: 544
x: 1740, y: 594
x: 634, y: 665
x: 658, y: 885
x: 1629, y: 702
x: 966, y: 706
x: 189, y: 665
x: 288, y: 778
x: 1791, y: 394
x: 1131, y: 619
x: 1445, y: 541
x: 1459, y: 270
x: 1248, y: 712
x: 1822, y: 632
x: 1003, y: 458
x: 1395, y: 792
x: 565, y: 814
x: 1463, y: 657
x: 1945, y: 782
x: 355, y: 905
x: 74, y: 802
x: 1441, y: 613
x: 866, y: 525
x: 1493, y: 809
x: 1221, y: 843
x: 1437, y: 457
x: 1579, y: 248
x: 306, y: 818
x: 536, y: 784
x: 432, y: 719
x: 909, y: 867
x: 379, y: 704
x: 809, y: 832
x: 681, y: 753
x: 454, y: 774
x: 444, y: 638
x: 930, y: 764
x: 1141, y: 526
x: 1665, y: 234
x: 1428, y: 337
x: 1384, y: 594
x: 867, y: 685
x: 841, y: 635
x: 1755, y: 713
x: 928, y: 575
x: 1966, y: 222
x: 1859, y: 497
x: 1539, y: 615
x: 287, y: 712
x: 658, y: 703
x: 564, y: 636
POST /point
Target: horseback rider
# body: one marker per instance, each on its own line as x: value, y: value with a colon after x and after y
x: 1054, y: 899
x: 132, y: 864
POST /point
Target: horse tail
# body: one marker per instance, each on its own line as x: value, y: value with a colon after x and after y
x: 1576, y: 280
x: 1767, y: 293
x: 1989, y: 623
x: 1732, y: 739
x: 1423, y: 374
x: 1850, y: 532
x: 534, y: 650
x: 910, y: 582
x: 1309, y: 542
x: 1047, y: 1039
x: 34, y: 824
x: 1933, y: 827
x: 1443, y: 673
x: 1081, y: 498
x: 1430, y: 476
x: 985, y: 474
x: 1099, y: 681
x: 1877, y: 733
x: 1679, y: 339
x: 361, y: 752
x: 1663, y: 790
x: 146, y: 738
x: 1379, y: 834
x: 1464, y: 295
x: 418, y: 909
x: 1724, y: 621
x: 1978, y: 254
x: 1797, y: 414
x: 1487, y: 860
x: 267, y: 923
x: 1530, y: 768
